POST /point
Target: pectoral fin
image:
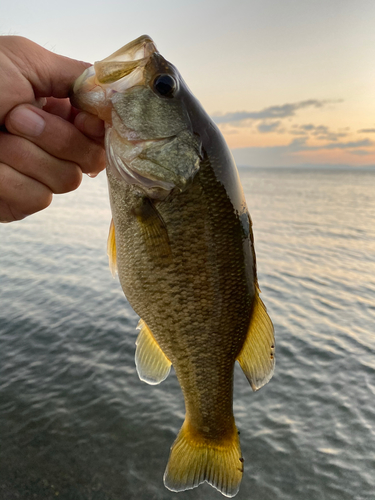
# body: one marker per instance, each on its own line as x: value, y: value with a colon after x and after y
x: 257, y: 358
x: 153, y: 229
x: 111, y: 249
x: 152, y: 364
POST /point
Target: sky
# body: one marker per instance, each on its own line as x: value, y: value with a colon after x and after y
x: 288, y: 82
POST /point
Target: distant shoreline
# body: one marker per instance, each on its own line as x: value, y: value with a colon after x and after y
x: 362, y: 168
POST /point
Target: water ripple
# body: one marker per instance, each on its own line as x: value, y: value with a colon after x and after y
x: 77, y: 424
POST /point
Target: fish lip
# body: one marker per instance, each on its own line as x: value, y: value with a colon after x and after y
x: 116, y: 71
x: 143, y: 43
x: 93, y: 89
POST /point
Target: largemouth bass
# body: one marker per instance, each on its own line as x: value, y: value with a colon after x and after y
x: 181, y: 239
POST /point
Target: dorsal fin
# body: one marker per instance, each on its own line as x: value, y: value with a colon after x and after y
x: 111, y: 249
x: 257, y: 358
x: 152, y: 364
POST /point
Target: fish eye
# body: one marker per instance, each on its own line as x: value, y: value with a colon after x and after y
x: 165, y: 85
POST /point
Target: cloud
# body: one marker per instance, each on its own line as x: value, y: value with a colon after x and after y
x: 265, y: 127
x: 343, y: 145
x: 315, y: 129
x: 360, y: 152
x: 320, y: 132
x: 366, y: 131
x: 288, y: 154
x: 283, y: 111
x: 300, y: 144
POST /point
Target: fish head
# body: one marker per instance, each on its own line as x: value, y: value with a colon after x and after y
x: 149, y: 141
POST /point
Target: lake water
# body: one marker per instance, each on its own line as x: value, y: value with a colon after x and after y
x: 76, y: 423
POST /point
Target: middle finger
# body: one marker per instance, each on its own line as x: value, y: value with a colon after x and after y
x: 29, y: 159
x: 56, y: 136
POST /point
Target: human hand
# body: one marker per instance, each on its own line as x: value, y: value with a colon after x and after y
x: 45, y: 144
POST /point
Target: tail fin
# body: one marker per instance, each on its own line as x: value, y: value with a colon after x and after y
x: 194, y: 459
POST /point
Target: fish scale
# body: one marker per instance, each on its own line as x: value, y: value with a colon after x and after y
x: 187, y: 220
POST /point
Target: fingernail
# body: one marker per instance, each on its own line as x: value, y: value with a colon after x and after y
x: 41, y: 102
x: 27, y: 122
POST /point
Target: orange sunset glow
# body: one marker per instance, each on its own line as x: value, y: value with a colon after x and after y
x: 287, y: 82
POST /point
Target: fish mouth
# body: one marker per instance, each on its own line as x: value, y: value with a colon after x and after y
x: 118, y: 72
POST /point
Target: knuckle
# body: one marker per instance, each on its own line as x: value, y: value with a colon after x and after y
x: 21, y: 195
x: 24, y: 154
x: 15, y: 149
x: 61, y: 145
x: 61, y: 137
x: 40, y: 203
x: 7, y: 214
x: 95, y: 158
x: 71, y: 180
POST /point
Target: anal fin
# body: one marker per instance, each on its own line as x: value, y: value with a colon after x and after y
x: 152, y: 364
x: 257, y: 357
